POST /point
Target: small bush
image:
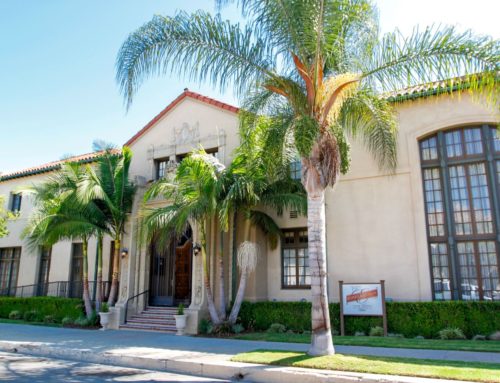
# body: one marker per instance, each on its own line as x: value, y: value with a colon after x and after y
x: 104, y: 308
x: 393, y: 335
x: 223, y: 329
x: 30, y: 316
x: 494, y: 336
x: 49, y: 319
x: 479, y: 337
x: 237, y: 328
x: 180, y: 309
x: 276, y: 328
x: 205, y: 326
x: 67, y: 321
x: 377, y: 331
x: 15, y: 314
x: 359, y: 333
x: 451, y: 334
x: 82, y: 321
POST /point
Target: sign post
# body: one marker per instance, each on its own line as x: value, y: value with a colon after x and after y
x: 362, y: 299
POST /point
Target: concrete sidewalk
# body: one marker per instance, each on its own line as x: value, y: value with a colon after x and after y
x: 200, y: 356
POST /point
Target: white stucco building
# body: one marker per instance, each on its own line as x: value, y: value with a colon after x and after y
x: 431, y: 230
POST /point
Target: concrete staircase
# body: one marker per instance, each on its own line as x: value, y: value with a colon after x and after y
x: 153, y: 318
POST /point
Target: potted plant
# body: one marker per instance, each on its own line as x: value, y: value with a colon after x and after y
x: 180, y: 320
x: 104, y: 315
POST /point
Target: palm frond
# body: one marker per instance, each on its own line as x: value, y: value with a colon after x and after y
x: 264, y: 222
x: 199, y: 46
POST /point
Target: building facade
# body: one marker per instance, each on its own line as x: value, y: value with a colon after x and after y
x: 431, y: 229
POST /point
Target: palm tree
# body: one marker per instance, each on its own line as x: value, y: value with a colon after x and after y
x: 248, y: 187
x: 60, y: 215
x: 193, y: 196
x: 203, y: 189
x: 318, y: 66
x: 109, y: 187
x: 5, y: 215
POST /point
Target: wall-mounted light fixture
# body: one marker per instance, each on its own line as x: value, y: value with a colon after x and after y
x: 124, y: 252
x: 196, y: 249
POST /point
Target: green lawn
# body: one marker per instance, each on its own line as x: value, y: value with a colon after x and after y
x: 19, y: 321
x: 472, y: 371
x: 430, y: 344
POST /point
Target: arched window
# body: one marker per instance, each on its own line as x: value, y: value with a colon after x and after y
x: 461, y: 177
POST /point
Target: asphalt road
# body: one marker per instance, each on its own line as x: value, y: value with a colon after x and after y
x: 31, y: 369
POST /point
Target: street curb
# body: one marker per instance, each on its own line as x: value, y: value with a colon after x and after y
x: 210, y: 367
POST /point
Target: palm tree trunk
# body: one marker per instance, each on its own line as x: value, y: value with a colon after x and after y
x: 235, y: 310
x: 239, y: 296
x: 116, y: 273
x: 214, y: 316
x: 321, y: 342
x: 86, y: 295
x: 222, y: 293
x: 99, y: 274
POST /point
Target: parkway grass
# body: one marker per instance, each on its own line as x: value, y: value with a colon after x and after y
x: 471, y: 371
x: 371, y: 341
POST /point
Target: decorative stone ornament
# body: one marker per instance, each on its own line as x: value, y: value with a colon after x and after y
x: 104, y: 319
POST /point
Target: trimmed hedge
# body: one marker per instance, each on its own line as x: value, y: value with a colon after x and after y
x: 407, y: 318
x: 58, y: 308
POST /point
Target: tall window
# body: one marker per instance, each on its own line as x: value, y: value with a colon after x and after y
x: 295, y: 259
x: 296, y: 169
x: 15, y: 202
x: 161, y: 166
x: 9, y: 269
x: 43, y: 271
x: 461, y: 176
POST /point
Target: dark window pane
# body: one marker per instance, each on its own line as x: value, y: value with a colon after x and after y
x: 473, y: 141
x: 434, y: 202
x: 295, y: 259
x: 453, y: 144
x: 442, y: 283
x: 428, y: 149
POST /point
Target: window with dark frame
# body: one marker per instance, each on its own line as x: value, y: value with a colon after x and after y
x: 9, y: 269
x: 161, y: 166
x: 15, y: 202
x: 295, y: 272
x: 296, y: 169
x: 461, y: 182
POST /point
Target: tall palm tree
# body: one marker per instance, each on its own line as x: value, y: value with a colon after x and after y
x: 60, y: 215
x: 319, y: 65
x: 5, y: 215
x: 251, y: 189
x: 108, y: 185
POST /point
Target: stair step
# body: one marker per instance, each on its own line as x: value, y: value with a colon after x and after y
x: 156, y: 329
x: 139, y: 319
x: 143, y: 326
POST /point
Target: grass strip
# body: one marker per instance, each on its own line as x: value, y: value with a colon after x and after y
x: 372, y: 341
x: 425, y: 368
x: 19, y: 321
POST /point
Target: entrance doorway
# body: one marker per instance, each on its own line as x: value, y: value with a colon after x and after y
x: 171, y: 268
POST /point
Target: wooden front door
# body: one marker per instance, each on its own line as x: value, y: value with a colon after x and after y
x: 76, y: 280
x: 162, y: 276
x: 183, y: 257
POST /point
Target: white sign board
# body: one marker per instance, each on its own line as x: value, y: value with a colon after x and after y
x: 362, y: 299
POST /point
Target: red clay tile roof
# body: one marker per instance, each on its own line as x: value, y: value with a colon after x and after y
x: 182, y: 96
x: 54, y: 165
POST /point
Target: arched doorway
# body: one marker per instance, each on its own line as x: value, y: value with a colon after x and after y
x: 171, y: 267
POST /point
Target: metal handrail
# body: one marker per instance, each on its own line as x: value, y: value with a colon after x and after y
x: 128, y: 300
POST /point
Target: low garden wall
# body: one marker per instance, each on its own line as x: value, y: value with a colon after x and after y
x: 407, y: 318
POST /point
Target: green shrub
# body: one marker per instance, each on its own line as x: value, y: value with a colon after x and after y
x: 67, y: 321
x: 407, y: 318
x: 376, y: 331
x: 205, y: 326
x: 451, y: 333
x: 30, y: 316
x: 276, y: 328
x: 180, y: 309
x: 15, y: 314
x: 57, y: 307
x: 238, y: 328
x: 49, y: 319
x: 82, y: 321
x: 104, y: 308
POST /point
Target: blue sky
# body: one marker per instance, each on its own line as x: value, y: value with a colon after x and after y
x: 57, y: 87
